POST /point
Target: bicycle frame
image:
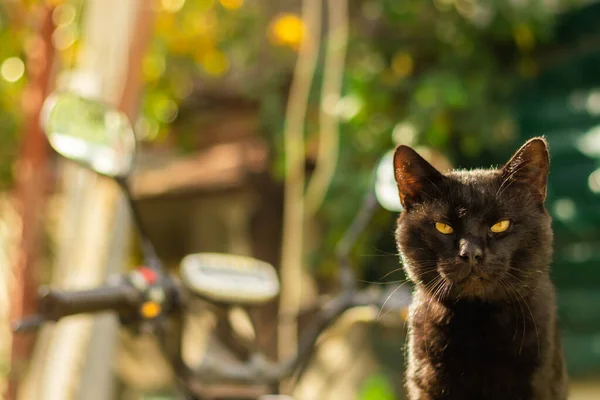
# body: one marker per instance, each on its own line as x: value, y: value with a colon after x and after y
x: 167, y: 325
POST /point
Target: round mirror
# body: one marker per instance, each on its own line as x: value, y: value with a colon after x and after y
x: 89, y: 132
x: 386, y: 189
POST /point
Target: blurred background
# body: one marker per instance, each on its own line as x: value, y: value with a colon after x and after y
x: 259, y: 125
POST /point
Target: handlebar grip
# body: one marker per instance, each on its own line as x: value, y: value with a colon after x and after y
x: 55, y: 304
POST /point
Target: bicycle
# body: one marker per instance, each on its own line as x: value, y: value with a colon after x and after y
x: 149, y: 299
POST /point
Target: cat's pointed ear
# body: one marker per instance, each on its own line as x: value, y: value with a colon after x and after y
x: 414, y: 176
x: 529, y: 167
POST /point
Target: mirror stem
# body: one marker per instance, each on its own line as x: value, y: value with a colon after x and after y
x: 150, y: 256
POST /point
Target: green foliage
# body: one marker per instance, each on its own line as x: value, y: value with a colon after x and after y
x: 12, y: 37
x: 439, y: 73
x: 377, y: 387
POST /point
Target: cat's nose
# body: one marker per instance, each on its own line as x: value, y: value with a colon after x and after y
x: 470, y: 251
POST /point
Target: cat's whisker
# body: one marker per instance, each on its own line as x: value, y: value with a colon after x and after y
x: 515, y: 291
x: 501, y: 285
x: 379, y: 316
x: 425, y: 270
x: 383, y: 283
x: 436, y: 282
x: 379, y: 255
x: 532, y: 320
x: 391, y: 272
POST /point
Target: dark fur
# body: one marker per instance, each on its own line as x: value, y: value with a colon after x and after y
x: 484, y: 331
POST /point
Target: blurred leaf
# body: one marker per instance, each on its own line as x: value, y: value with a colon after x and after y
x: 377, y: 387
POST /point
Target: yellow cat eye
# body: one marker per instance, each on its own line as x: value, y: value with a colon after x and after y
x: 501, y: 226
x: 443, y: 228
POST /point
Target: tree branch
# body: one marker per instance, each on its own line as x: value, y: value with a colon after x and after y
x: 335, y: 58
x: 293, y: 217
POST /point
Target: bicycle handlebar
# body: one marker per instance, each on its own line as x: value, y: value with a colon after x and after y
x: 56, y: 304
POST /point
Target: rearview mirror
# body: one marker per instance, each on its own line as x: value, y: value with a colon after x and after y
x: 89, y: 132
x: 386, y: 189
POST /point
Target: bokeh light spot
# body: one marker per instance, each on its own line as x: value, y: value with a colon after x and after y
x: 464, y: 8
x: 215, y: 63
x: 524, y: 38
x: 594, y: 181
x: 564, y: 209
x: 348, y: 107
x: 402, y: 64
x: 589, y: 143
x: 371, y: 10
x: 146, y: 129
x: 232, y: 4
x: 426, y: 96
x: 69, y: 55
x: 12, y: 69
x: 593, y: 102
x: 404, y: 133
x: 63, y: 37
x: 345, y: 108
x: 153, y: 67
x: 172, y: 5
x: 287, y: 29
x: 165, y: 109
x: 64, y: 14
x: 579, y: 252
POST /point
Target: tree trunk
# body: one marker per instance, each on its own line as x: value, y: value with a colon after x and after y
x: 75, y: 358
x: 30, y: 194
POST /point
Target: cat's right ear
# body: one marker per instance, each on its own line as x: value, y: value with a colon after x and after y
x: 414, y: 176
x: 529, y: 168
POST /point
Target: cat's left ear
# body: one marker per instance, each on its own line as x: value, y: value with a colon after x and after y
x: 416, y: 178
x: 529, y: 167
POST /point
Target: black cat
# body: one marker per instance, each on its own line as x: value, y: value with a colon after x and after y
x: 478, y: 246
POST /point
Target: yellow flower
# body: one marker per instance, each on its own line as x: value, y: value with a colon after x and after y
x: 287, y: 30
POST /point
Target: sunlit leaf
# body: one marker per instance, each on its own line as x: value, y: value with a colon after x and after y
x: 377, y: 387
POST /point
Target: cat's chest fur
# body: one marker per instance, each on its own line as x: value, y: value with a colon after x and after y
x: 473, y: 350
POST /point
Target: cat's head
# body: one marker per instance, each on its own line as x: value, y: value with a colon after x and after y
x: 475, y: 234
